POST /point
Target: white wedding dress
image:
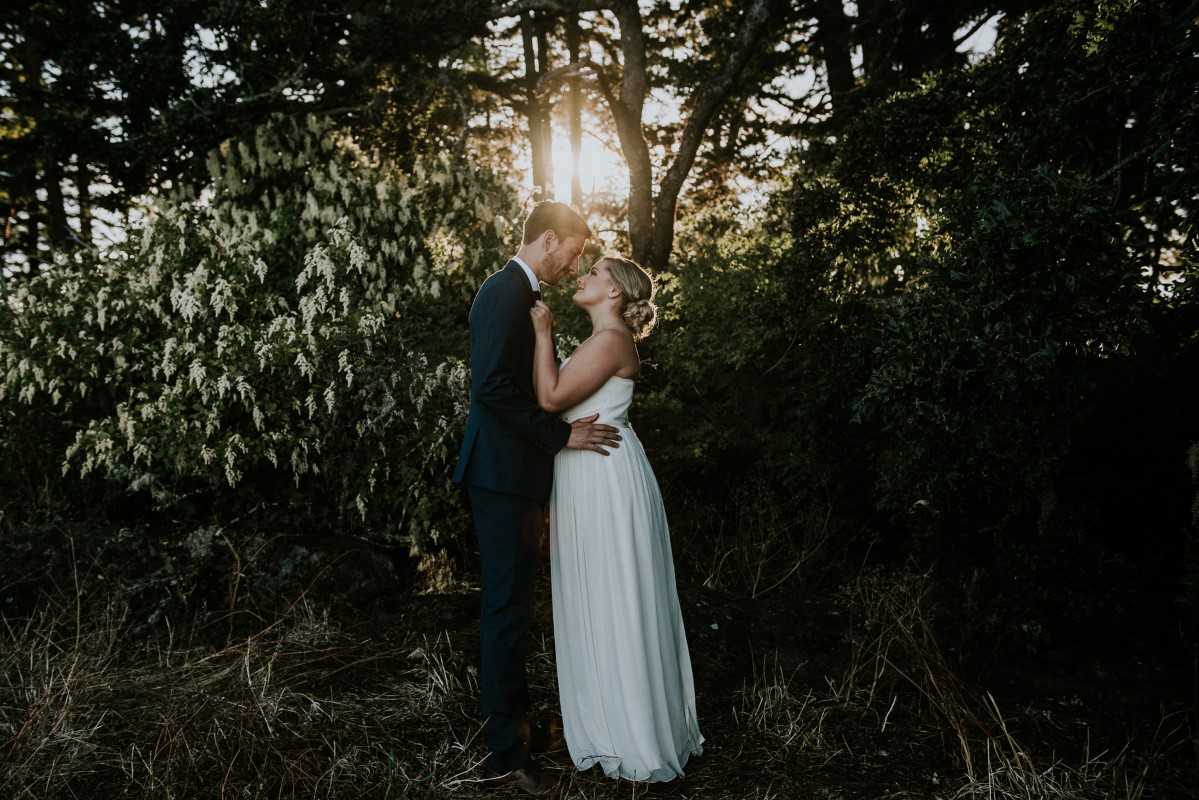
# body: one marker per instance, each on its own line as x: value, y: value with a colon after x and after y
x: 624, y: 672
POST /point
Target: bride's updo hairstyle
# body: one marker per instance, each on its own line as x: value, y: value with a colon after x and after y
x: 637, y: 288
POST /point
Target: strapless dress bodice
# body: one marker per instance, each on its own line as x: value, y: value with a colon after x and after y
x: 611, y: 401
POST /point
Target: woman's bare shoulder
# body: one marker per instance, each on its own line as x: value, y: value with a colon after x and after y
x: 620, y: 350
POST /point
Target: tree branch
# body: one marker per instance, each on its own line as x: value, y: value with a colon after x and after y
x: 509, y: 90
x: 556, y: 77
x: 974, y: 29
x: 707, y: 102
x: 714, y: 93
x: 514, y: 8
x: 633, y: 84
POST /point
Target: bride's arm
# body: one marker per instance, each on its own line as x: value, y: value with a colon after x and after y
x: 596, y: 360
x: 545, y: 370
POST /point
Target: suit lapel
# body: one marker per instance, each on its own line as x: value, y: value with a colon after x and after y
x: 512, y: 266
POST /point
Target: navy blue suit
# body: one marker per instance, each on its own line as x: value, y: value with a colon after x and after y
x: 507, y: 467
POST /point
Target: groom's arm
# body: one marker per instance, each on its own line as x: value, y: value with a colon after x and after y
x: 500, y: 328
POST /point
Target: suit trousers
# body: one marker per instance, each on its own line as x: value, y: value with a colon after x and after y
x: 507, y: 527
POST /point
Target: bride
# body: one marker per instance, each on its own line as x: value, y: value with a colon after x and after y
x: 624, y: 672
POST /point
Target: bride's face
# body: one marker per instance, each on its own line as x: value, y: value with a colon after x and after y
x: 595, y: 286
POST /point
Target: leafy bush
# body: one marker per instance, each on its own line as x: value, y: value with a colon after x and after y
x: 284, y: 342
x: 992, y: 285
x: 723, y: 412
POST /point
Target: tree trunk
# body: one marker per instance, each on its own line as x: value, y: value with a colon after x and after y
x: 651, y: 215
x: 834, y: 44
x: 626, y: 112
x: 575, y: 106
x: 57, y: 230
x: 83, y: 182
x: 704, y: 105
x: 545, y: 104
x: 35, y: 105
x: 540, y: 146
x: 45, y: 155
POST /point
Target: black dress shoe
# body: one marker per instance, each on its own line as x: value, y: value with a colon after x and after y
x: 525, y: 779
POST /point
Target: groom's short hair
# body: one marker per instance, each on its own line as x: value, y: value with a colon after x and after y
x: 550, y: 215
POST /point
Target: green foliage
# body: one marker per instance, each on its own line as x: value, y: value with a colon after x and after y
x: 984, y: 262
x: 714, y: 339
x: 721, y: 413
x: 285, y: 342
x: 1026, y: 281
x: 105, y: 102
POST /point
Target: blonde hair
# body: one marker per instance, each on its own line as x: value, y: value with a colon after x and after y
x: 637, y: 288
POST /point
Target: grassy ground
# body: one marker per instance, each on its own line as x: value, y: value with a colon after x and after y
x: 801, y: 695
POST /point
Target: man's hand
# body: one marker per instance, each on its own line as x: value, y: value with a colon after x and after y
x: 586, y: 435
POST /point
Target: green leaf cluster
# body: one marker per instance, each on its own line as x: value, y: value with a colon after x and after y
x: 280, y: 344
x: 1001, y: 251
x: 980, y: 342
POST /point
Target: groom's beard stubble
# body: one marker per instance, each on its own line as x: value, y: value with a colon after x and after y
x: 555, y: 267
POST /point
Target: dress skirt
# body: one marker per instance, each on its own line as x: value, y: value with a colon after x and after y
x: 624, y: 671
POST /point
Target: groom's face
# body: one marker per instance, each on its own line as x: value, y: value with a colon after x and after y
x: 562, y: 257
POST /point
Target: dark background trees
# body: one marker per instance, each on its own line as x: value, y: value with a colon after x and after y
x: 109, y: 102
x: 919, y: 304
x: 985, y: 332
x: 926, y: 366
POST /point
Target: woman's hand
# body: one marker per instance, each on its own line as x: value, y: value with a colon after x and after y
x: 543, y: 318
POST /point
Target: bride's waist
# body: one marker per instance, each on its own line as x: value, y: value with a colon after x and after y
x: 617, y: 422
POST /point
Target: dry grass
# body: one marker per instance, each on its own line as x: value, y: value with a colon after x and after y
x: 311, y: 707
x: 769, y: 543
x: 303, y: 708
x: 898, y: 614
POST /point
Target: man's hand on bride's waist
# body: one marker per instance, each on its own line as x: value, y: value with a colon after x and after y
x: 587, y: 434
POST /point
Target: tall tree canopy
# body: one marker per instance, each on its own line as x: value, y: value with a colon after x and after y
x: 109, y: 102
x: 932, y: 332
x: 106, y: 102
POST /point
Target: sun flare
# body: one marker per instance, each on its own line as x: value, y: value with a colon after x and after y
x: 601, y: 168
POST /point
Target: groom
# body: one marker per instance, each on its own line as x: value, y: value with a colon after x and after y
x: 506, y: 465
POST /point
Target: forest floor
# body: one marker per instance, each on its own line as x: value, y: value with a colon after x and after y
x: 801, y: 694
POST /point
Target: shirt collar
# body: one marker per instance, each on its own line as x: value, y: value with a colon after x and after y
x: 534, y: 284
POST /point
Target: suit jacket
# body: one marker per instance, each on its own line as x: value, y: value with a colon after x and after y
x: 510, y: 442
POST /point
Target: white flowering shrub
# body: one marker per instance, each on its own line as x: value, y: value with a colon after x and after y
x: 286, y: 342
